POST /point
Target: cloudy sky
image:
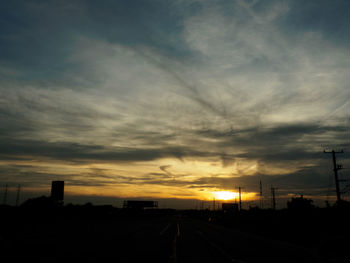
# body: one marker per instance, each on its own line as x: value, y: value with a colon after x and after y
x: 174, y: 99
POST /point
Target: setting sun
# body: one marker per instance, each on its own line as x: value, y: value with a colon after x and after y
x: 225, y: 195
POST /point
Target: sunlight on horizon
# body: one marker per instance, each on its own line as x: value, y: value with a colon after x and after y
x: 225, y: 195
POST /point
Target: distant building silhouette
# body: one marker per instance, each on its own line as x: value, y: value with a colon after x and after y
x: 39, y: 202
x: 300, y: 203
x: 134, y: 204
x: 57, y: 191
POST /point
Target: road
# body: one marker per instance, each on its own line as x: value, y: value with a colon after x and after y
x: 204, y: 242
x: 170, y: 239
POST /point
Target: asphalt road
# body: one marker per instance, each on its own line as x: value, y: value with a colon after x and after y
x: 170, y: 239
x: 204, y: 242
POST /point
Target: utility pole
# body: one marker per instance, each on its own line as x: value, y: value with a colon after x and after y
x: 273, y: 198
x: 261, y: 197
x: 335, y: 169
x: 240, y: 198
x: 214, y: 204
x: 5, y: 195
x: 18, y: 192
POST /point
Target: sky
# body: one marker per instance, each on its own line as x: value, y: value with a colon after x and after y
x: 173, y: 100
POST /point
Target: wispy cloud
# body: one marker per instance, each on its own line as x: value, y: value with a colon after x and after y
x: 182, y: 94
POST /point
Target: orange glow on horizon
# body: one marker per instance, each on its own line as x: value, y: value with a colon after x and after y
x: 225, y: 195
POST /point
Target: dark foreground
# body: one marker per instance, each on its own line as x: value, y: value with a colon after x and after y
x: 102, y: 234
